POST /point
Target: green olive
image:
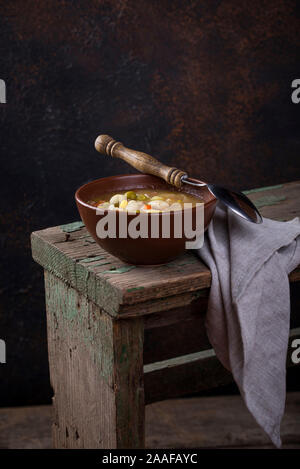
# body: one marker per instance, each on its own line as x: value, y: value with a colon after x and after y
x: 141, y: 197
x: 131, y: 195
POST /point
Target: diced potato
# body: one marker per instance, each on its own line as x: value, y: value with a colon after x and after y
x: 123, y: 204
x: 145, y: 200
x: 134, y: 205
x: 159, y: 205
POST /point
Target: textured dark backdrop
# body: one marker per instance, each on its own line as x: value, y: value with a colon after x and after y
x: 204, y: 85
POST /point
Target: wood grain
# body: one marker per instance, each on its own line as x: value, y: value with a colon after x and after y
x: 96, y: 372
x: 128, y: 336
x: 141, y: 161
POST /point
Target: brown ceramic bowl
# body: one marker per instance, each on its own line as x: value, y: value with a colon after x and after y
x: 147, y: 251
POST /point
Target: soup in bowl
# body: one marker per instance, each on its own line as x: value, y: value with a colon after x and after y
x: 133, y: 200
x: 146, y: 201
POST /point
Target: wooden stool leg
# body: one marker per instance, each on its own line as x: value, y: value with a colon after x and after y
x: 96, y: 370
x: 129, y: 383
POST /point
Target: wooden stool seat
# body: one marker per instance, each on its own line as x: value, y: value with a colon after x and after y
x: 122, y: 336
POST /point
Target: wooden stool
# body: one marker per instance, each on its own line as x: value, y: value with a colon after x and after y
x: 121, y: 336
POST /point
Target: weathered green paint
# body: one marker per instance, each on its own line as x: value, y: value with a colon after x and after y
x: 78, y: 318
x: 121, y: 270
x: 128, y: 349
x: 262, y: 189
x: 269, y: 200
x: 134, y: 289
x: 70, y: 227
x: 77, y: 275
x: 96, y: 367
x: 182, y: 360
x: 183, y: 375
x: 92, y: 259
x: 100, y: 263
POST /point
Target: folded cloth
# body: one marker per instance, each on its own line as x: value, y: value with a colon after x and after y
x: 248, y: 314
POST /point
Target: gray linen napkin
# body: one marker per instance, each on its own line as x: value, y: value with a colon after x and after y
x: 248, y: 313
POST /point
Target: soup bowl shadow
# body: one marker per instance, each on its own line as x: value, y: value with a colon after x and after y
x: 139, y: 251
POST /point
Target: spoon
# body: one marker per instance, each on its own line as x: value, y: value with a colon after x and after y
x: 236, y: 201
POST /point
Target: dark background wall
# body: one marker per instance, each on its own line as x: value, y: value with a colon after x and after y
x: 204, y: 85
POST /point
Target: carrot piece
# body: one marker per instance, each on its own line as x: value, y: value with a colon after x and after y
x: 147, y: 206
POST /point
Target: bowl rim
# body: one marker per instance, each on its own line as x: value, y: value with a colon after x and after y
x: 79, y: 200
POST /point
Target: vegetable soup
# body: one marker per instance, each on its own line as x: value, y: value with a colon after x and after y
x: 146, y: 200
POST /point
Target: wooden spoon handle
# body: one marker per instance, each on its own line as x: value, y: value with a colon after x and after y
x: 140, y: 161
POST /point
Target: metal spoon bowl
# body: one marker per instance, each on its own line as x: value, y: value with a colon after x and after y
x: 236, y: 201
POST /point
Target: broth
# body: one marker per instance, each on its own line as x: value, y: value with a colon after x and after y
x: 146, y: 201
